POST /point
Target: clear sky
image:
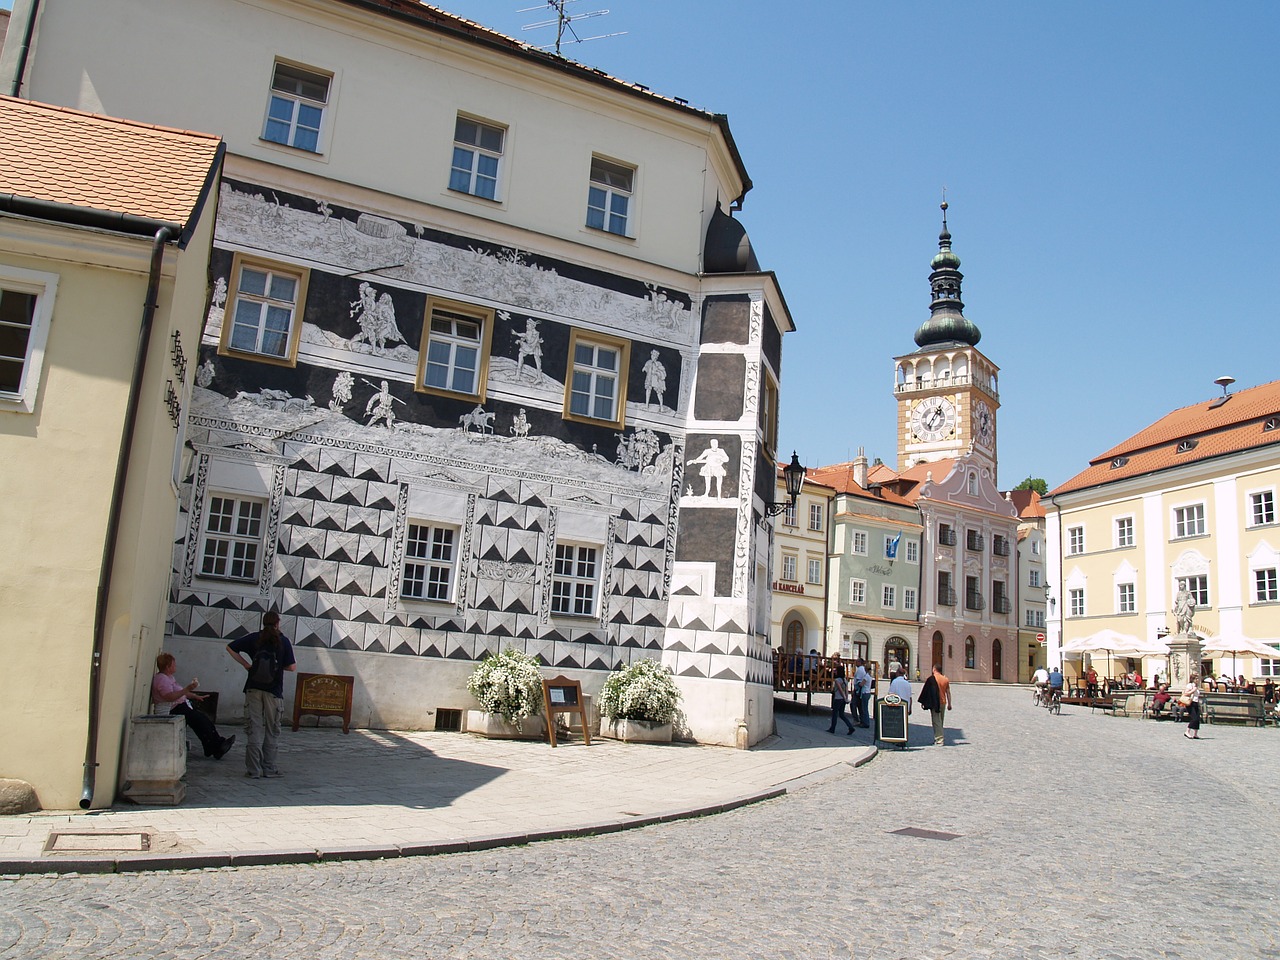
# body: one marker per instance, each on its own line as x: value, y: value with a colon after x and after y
x: 1111, y: 170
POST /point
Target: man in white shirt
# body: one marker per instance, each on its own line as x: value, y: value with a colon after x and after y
x: 861, y: 695
x: 1040, y: 678
x: 902, y: 687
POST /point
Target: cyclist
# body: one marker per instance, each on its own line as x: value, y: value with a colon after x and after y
x: 1041, y: 679
x: 1055, y: 684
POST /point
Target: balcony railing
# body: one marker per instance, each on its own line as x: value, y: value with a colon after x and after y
x: 947, y: 537
x: 946, y: 597
x: 1000, y: 547
x: 973, y: 540
x: 1001, y: 605
x: 974, y: 601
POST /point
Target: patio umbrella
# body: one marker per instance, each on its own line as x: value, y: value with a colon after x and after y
x: 1240, y: 644
x: 1115, y: 644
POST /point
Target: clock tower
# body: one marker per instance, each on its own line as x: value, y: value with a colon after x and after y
x: 947, y: 390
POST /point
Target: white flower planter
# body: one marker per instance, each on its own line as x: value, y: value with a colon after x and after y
x: 636, y: 731
x: 493, y: 727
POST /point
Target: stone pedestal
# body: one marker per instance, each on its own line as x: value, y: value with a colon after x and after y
x: 157, y: 760
x: 1184, y: 659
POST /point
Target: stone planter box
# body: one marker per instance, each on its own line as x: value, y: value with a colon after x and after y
x: 493, y: 727
x: 636, y: 731
x: 156, y: 760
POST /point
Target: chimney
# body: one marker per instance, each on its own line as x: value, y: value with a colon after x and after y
x: 860, y: 469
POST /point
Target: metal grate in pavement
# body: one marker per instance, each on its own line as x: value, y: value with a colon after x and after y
x: 98, y: 842
x: 925, y: 834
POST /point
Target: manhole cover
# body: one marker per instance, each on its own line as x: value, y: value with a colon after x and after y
x: 97, y: 842
x: 924, y: 834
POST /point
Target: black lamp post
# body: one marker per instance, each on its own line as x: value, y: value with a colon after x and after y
x: 793, y: 474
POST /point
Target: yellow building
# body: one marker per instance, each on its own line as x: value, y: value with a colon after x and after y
x: 799, y: 587
x: 1190, y: 500
x: 105, y: 233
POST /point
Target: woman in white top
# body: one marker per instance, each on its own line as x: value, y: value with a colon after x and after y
x: 1192, y: 692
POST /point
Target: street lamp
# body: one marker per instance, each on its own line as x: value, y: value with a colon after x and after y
x: 793, y: 475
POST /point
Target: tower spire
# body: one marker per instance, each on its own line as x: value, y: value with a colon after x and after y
x: 946, y: 321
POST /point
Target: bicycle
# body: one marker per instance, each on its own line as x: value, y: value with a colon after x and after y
x: 1039, y: 696
x: 1053, y: 700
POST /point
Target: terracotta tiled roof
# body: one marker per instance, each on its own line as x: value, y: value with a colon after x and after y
x: 1027, y: 503
x: 1187, y: 435
x: 839, y: 476
x: 102, y: 163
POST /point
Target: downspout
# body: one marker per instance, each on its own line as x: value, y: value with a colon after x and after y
x: 163, y: 235
x: 33, y: 14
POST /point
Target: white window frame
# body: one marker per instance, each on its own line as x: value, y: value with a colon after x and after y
x: 860, y: 542
x: 575, y: 593
x: 240, y: 533
x: 468, y: 158
x: 1033, y: 577
x: 815, y: 517
x: 44, y: 287
x: 1075, y: 540
x: 1262, y: 508
x: 887, y: 541
x: 298, y: 102
x: 789, y: 515
x: 454, y: 313
x: 430, y: 562
x: 1198, y: 584
x: 888, y: 596
x: 1126, y: 598
x: 768, y: 416
x: 264, y: 302
x: 909, y: 598
x: 1124, y: 532
x: 1265, y: 586
x: 606, y: 191
x: 790, y: 562
x: 1270, y: 667
x: 857, y: 592
x: 1075, y: 602
x: 1035, y: 548
x: 1188, y: 521
x: 815, y: 571
x: 589, y: 373
x: 913, y: 551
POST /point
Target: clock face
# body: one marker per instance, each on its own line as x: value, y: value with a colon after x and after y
x: 933, y: 419
x: 984, y: 423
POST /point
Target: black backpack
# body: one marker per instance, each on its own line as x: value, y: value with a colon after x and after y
x: 262, y: 671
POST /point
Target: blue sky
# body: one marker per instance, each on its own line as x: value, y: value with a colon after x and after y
x: 1111, y: 170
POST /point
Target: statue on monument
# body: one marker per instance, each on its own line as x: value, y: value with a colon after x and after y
x: 1184, y: 609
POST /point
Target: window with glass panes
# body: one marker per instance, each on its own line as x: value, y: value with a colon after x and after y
x: 860, y: 542
x: 1188, y: 521
x: 454, y: 352
x: 789, y: 515
x: 1033, y: 577
x: 858, y: 591
x: 430, y: 555
x: 1264, y: 586
x: 594, y: 381
x: 788, y: 567
x: 477, y: 152
x: 1126, y: 598
x: 609, y: 196
x: 263, y: 310
x: 1199, y: 587
x: 1124, y: 531
x: 815, y: 516
x: 913, y: 551
x: 815, y: 571
x: 574, y: 580
x: 1262, y: 508
x: 1271, y: 667
x: 296, y: 107
x: 908, y: 598
x: 888, y: 596
x: 1075, y: 540
x: 1075, y: 601
x: 232, y: 541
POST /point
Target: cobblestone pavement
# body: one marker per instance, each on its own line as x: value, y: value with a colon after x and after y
x: 1078, y: 836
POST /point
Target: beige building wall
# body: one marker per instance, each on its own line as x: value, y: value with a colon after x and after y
x: 60, y: 463
x: 798, y: 620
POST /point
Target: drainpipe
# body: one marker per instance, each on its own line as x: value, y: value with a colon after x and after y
x: 163, y: 235
x: 33, y: 14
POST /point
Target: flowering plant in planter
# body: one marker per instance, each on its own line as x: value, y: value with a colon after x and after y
x: 643, y: 691
x: 508, y: 684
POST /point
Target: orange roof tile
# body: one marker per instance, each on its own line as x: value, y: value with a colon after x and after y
x: 102, y: 163
x: 1027, y: 503
x: 1209, y: 429
x: 839, y: 476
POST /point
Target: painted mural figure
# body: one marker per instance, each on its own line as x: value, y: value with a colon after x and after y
x: 478, y: 419
x: 637, y: 451
x: 204, y: 374
x: 530, y: 345
x: 655, y: 378
x: 713, y: 461
x: 376, y: 316
x: 1184, y: 609
x: 220, y: 292
x: 342, y: 385
x: 520, y: 425
x: 380, y: 405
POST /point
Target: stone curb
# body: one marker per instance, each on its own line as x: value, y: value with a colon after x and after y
x: 201, y: 861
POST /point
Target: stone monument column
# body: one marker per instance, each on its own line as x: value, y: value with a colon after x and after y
x: 1184, y: 646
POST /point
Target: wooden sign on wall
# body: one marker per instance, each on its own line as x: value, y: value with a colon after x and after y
x: 323, y: 695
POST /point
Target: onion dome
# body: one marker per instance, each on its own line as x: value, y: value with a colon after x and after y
x: 946, y: 323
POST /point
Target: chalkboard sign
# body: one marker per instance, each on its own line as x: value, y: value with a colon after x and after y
x: 562, y: 695
x: 891, y: 719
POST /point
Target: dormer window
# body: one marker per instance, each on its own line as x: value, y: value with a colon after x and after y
x: 1271, y: 424
x: 1119, y: 462
x: 1186, y: 446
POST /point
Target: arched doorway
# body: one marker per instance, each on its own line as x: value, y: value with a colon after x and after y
x: 795, y: 637
x: 896, y: 648
x: 995, y: 659
x: 970, y: 653
x: 937, y: 648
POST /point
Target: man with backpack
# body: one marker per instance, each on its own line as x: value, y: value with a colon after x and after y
x: 265, y: 655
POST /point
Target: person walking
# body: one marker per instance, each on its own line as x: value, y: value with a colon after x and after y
x: 265, y: 656
x: 1191, y: 700
x: 862, y: 691
x: 936, y: 698
x: 839, y: 697
x: 170, y: 697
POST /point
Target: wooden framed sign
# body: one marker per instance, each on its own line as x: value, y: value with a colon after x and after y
x: 891, y: 720
x: 323, y: 695
x: 562, y: 695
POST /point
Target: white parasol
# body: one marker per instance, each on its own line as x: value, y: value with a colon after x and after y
x: 1237, y: 645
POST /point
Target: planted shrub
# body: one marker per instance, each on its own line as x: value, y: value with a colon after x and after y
x: 643, y: 691
x: 508, y: 684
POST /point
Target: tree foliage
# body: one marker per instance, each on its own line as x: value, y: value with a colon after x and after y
x: 1034, y: 483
